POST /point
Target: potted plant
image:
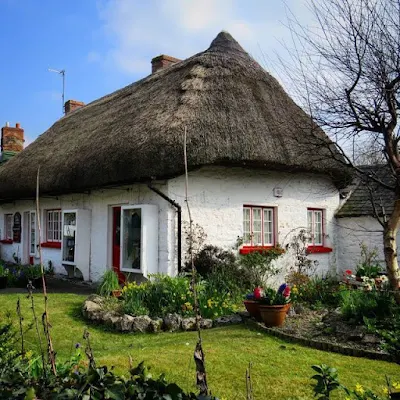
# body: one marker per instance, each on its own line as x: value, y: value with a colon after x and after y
x: 3, y: 276
x: 252, y: 303
x: 275, y: 305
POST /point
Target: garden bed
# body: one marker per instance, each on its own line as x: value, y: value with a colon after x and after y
x: 325, y: 330
x: 96, y: 310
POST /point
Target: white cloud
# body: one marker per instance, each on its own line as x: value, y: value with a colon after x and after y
x: 138, y: 30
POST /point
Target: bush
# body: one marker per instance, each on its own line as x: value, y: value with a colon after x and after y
x: 164, y: 294
x: 356, y: 305
x: 316, y: 291
x: 24, y: 378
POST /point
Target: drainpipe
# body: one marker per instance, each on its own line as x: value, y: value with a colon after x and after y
x: 179, y: 212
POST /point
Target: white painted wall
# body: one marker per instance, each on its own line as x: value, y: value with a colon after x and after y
x: 216, y: 198
x: 99, y: 202
x: 351, y: 232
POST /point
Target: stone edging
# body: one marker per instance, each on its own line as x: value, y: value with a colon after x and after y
x: 325, y: 346
x: 93, y: 310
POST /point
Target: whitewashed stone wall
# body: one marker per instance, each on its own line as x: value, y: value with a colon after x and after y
x: 216, y: 198
x: 99, y: 202
x: 351, y: 233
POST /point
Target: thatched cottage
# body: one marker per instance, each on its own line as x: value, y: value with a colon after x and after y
x: 112, y: 178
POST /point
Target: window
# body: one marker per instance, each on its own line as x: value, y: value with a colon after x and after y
x: 315, y: 219
x: 258, y: 226
x: 32, y: 233
x: 8, y: 222
x: 54, y: 226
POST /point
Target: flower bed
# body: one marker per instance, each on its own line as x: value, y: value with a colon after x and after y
x: 96, y: 309
x: 16, y: 275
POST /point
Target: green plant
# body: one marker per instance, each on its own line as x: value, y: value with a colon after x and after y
x: 326, y: 381
x: 275, y: 297
x: 318, y: 291
x: 4, y: 271
x: 108, y: 283
x: 302, y: 265
x: 32, y: 271
x: 368, y: 265
x: 259, y: 264
x: 356, y: 305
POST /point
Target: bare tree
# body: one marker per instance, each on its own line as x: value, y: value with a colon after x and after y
x: 348, y: 67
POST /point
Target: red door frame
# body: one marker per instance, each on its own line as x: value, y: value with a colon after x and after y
x: 116, y: 246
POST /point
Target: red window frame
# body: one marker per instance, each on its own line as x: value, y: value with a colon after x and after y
x: 312, y: 246
x: 251, y: 246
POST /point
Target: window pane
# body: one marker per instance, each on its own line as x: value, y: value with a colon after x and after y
x: 131, y: 241
x: 32, y: 234
x: 268, y: 226
x: 310, y: 225
x: 318, y: 227
x: 246, y: 226
x: 257, y: 227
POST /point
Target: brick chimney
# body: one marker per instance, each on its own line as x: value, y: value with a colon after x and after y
x: 12, y: 141
x: 162, y: 61
x: 72, y: 105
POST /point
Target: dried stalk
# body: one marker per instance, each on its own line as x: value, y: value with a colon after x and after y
x: 201, y: 376
x: 45, y: 316
x: 30, y: 296
x: 88, y: 349
x: 249, y: 384
x: 20, y: 319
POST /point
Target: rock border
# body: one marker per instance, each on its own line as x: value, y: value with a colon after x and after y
x: 92, y: 309
x: 319, y: 345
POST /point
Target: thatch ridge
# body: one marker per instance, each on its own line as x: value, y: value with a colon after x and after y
x: 234, y: 111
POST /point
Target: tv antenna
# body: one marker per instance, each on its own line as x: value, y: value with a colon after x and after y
x: 62, y: 73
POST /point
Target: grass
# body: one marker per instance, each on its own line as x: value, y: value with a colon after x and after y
x: 280, y: 370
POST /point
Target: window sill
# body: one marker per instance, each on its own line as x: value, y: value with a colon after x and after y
x: 253, y: 249
x: 51, y: 245
x: 6, y: 241
x: 318, y: 249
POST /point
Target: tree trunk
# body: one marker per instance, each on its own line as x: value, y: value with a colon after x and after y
x: 390, y: 249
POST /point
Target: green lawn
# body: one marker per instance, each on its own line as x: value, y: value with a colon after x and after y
x: 278, y: 372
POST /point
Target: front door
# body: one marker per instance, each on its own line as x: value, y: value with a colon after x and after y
x: 116, y: 243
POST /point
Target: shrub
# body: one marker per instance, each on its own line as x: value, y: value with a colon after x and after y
x: 368, y: 265
x: 108, y: 283
x: 25, y: 378
x: 355, y: 305
x: 164, y: 294
x: 317, y: 291
x: 259, y: 265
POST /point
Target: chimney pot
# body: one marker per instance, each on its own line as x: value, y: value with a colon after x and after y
x: 162, y: 61
x: 18, y: 125
x: 7, y: 124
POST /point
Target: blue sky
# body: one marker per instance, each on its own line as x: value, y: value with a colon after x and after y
x: 106, y: 44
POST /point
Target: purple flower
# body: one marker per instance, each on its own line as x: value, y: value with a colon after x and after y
x: 282, y: 288
x: 78, y: 345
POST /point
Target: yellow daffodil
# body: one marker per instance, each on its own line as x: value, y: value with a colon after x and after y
x: 359, y: 389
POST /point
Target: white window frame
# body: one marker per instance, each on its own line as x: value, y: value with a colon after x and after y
x: 268, y: 216
x: 32, y: 218
x: 316, y: 222
x: 8, y: 226
x: 53, y: 235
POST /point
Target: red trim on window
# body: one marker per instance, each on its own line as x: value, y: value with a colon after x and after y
x: 274, y: 226
x: 318, y: 249
x: 253, y: 249
x: 6, y: 241
x: 51, y: 245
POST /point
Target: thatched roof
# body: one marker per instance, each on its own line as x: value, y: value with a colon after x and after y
x: 234, y: 111
x: 365, y: 193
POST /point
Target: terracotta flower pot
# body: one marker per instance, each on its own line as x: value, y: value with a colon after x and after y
x: 274, y: 315
x: 253, y: 308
